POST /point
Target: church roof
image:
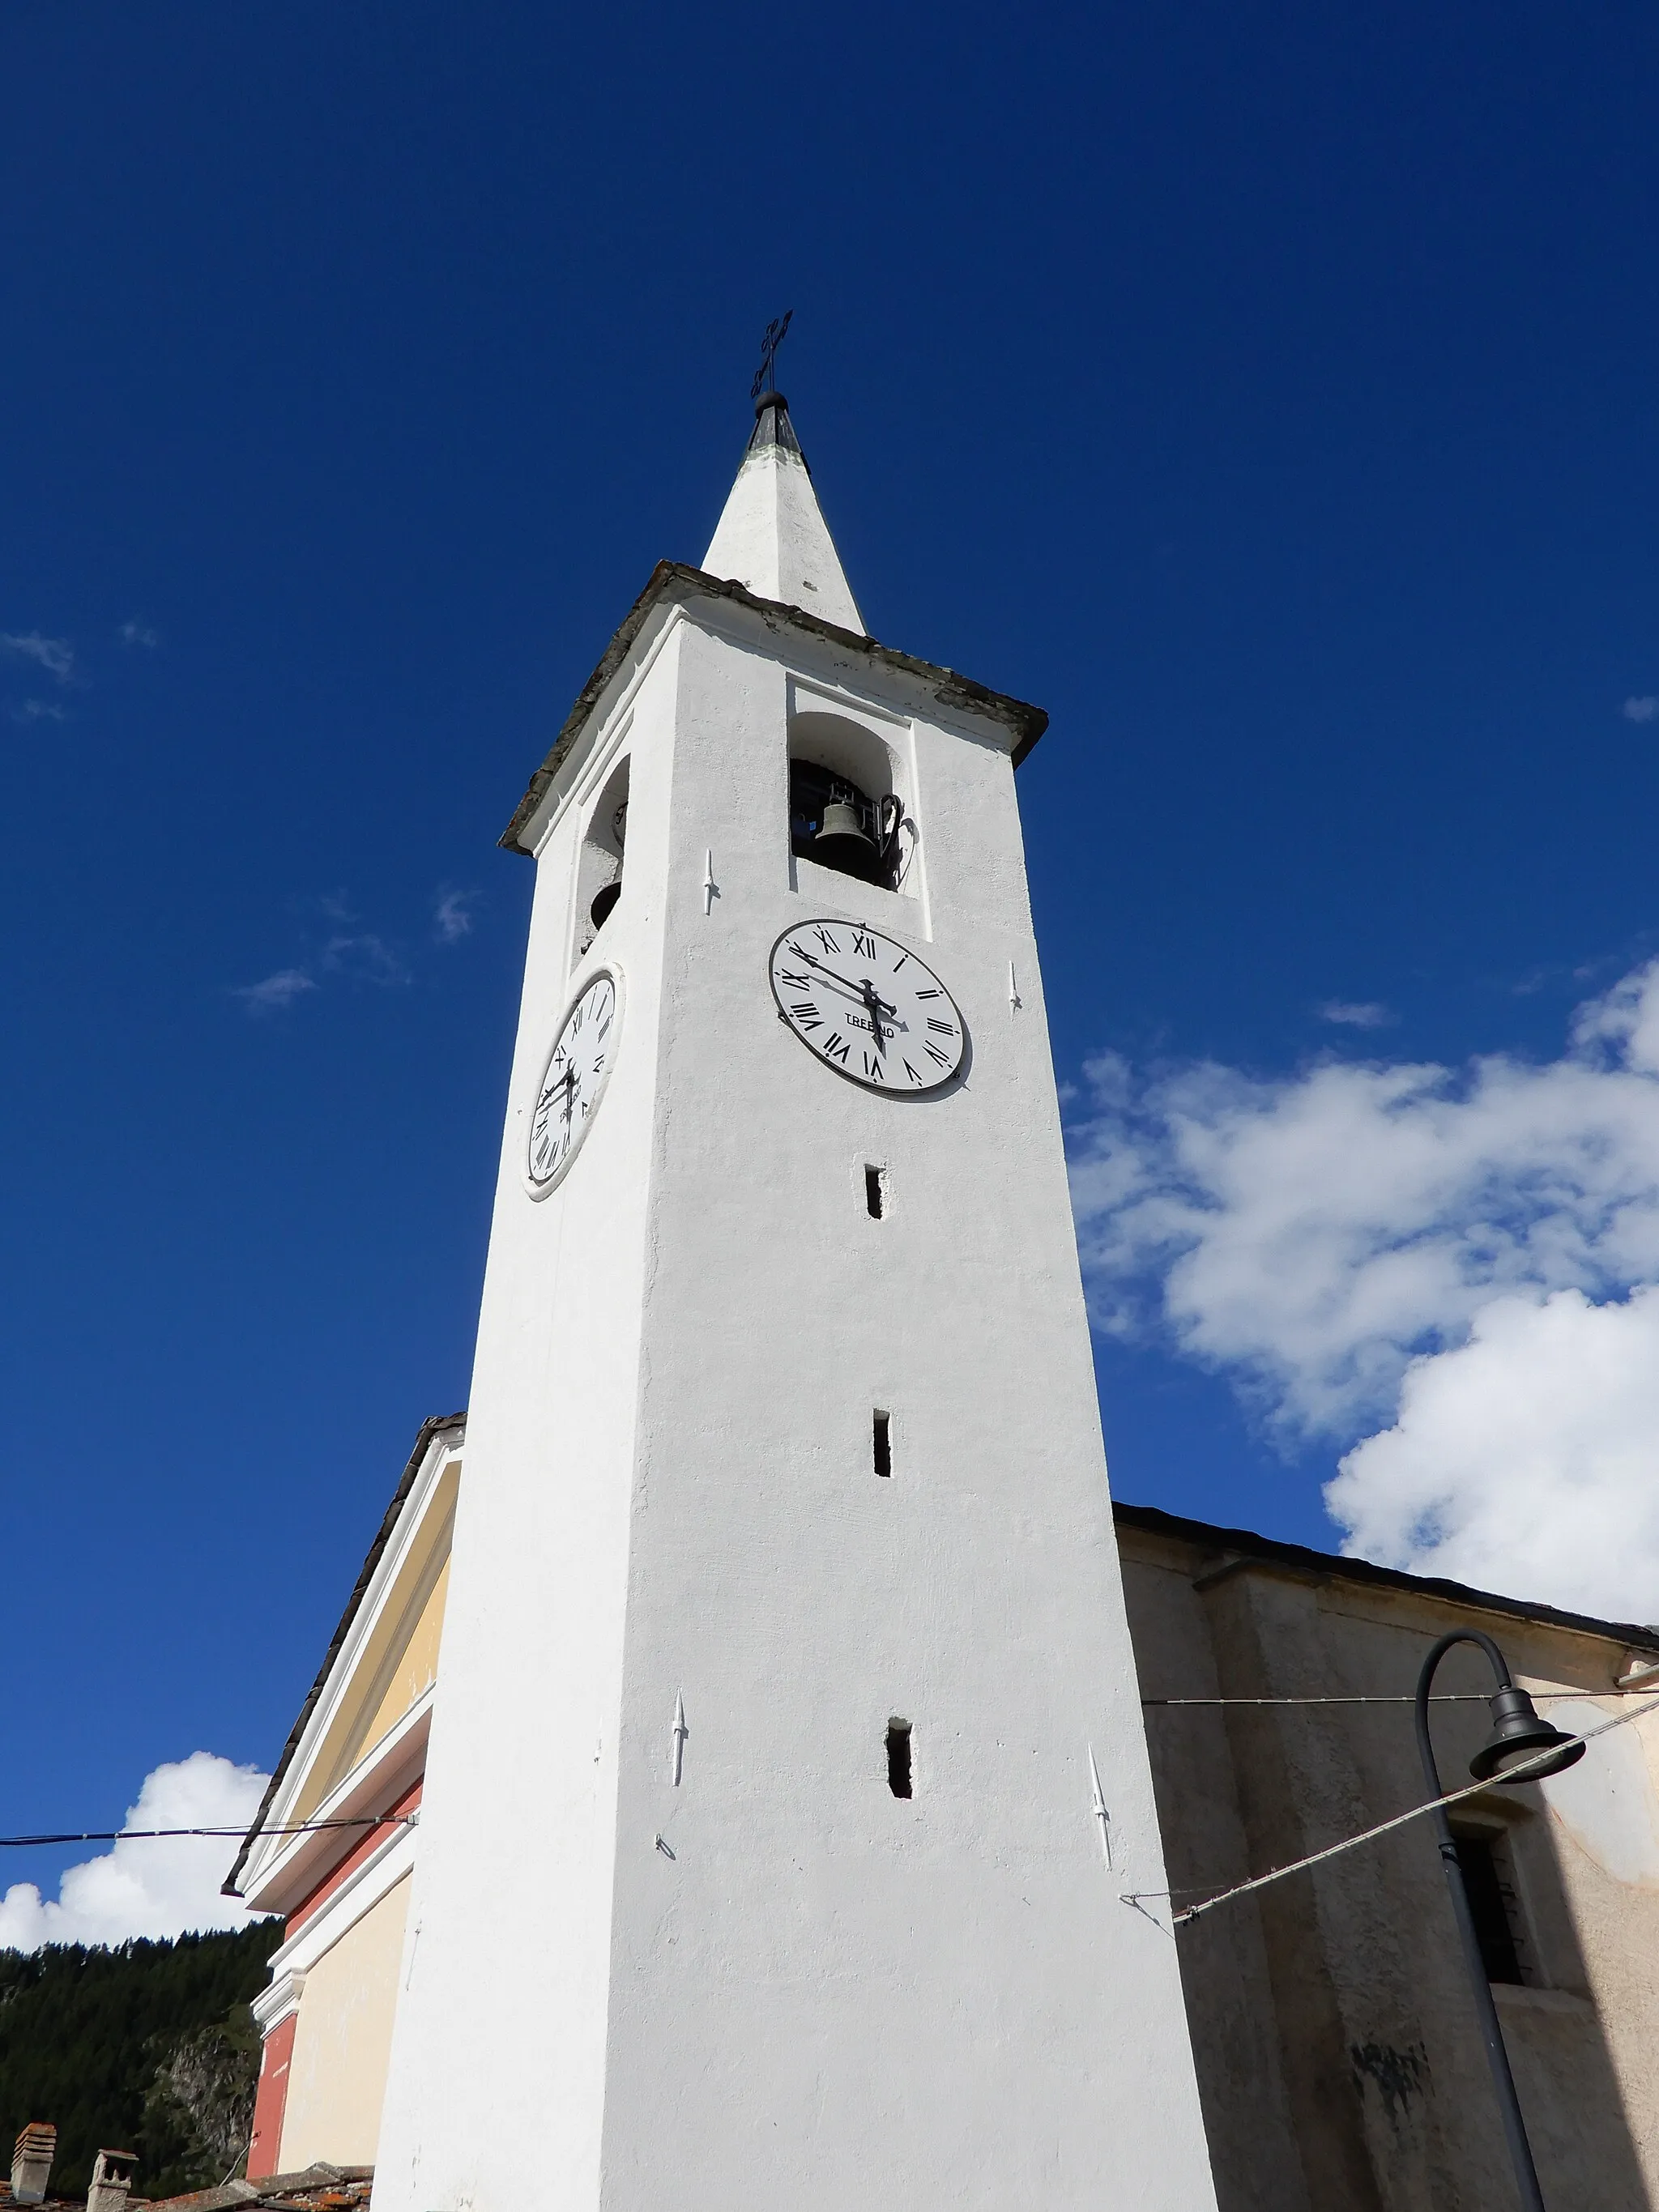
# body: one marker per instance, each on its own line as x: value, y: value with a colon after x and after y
x: 439, y: 1425
x: 1242, y: 1548
x: 319, y: 2187
x: 674, y: 579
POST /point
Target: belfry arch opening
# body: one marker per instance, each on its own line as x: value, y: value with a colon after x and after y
x: 846, y: 808
x: 600, y: 865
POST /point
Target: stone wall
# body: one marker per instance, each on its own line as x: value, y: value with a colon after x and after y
x: 1336, y: 2042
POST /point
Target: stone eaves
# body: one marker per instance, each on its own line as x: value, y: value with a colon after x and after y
x: 1234, y: 1549
x: 674, y: 579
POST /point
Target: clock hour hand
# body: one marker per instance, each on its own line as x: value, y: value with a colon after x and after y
x: 864, y: 992
x: 875, y: 1008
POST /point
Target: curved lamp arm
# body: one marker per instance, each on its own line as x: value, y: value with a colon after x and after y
x: 1500, y: 1667
x: 1491, y: 2035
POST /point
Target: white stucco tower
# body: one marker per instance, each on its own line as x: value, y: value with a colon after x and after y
x: 784, y: 1491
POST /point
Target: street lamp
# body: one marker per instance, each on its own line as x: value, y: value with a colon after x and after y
x: 1521, y: 1739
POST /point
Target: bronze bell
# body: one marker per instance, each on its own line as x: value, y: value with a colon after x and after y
x: 604, y: 900
x: 843, y: 841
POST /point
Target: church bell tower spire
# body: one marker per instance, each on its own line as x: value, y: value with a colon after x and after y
x: 772, y: 537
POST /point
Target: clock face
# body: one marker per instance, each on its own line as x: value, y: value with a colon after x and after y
x: 868, y: 1006
x: 573, y: 1084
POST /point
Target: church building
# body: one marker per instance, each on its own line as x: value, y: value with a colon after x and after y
x: 737, y: 1779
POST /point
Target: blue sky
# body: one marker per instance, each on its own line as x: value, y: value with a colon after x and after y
x: 1269, y: 392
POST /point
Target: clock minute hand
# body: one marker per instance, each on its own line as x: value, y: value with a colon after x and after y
x: 842, y: 982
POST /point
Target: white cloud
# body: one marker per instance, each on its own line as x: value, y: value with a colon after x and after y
x: 38, y: 710
x: 451, y: 916
x: 156, y: 1887
x: 1527, y: 1458
x: 1644, y: 709
x: 349, y: 954
x: 275, y: 991
x: 365, y: 958
x: 1364, y: 1014
x: 134, y: 632
x: 55, y: 654
x: 1356, y: 1247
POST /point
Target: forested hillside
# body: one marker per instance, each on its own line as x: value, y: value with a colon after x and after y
x: 149, y: 2048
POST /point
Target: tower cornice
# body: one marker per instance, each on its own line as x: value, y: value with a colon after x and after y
x: 674, y: 582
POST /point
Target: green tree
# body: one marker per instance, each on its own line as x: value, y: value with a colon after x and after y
x: 148, y: 2047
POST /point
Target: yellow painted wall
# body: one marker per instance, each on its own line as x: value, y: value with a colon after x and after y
x: 414, y: 1669
x: 400, y: 1659
x: 343, y: 2042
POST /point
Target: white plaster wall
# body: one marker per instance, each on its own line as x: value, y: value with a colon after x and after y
x: 824, y: 1996
x: 828, y: 1996
x: 1606, y: 1804
x: 499, y: 2051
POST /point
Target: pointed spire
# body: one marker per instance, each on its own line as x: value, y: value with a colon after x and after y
x: 772, y: 537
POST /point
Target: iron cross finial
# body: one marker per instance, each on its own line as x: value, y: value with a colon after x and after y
x: 765, y: 375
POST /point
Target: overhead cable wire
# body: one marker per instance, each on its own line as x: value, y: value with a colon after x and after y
x: 1139, y: 1897
x: 1438, y: 1697
x: 150, y: 1835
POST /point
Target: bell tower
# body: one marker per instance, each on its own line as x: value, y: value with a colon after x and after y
x: 789, y: 1765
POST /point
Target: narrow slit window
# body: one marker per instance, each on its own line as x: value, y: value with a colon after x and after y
x: 875, y: 1192
x: 1493, y: 1905
x: 882, y: 1443
x: 898, y: 1757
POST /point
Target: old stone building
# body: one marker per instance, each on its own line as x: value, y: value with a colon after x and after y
x: 1337, y: 2049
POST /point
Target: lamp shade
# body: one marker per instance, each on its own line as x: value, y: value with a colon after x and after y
x: 1520, y: 1733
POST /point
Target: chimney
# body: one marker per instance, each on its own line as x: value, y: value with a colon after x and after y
x: 31, y: 2161
x: 111, y: 2177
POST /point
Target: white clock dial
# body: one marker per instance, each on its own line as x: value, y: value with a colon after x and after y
x: 868, y: 1006
x: 577, y: 1069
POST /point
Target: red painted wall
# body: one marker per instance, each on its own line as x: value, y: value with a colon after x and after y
x: 367, y: 1840
x: 270, y: 2099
